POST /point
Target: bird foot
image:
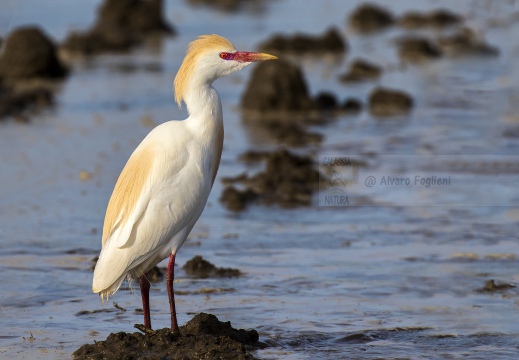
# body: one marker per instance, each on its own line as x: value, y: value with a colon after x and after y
x: 175, y: 331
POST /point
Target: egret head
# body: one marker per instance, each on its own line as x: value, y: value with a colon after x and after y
x: 208, y: 58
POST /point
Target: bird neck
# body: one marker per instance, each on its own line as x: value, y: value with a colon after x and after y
x: 205, y: 116
x: 203, y: 102
x: 206, y: 120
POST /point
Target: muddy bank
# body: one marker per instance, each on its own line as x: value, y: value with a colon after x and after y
x: 119, y: 26
x: 203, y: 337
x: 289, y: 180
x: 329, y: 42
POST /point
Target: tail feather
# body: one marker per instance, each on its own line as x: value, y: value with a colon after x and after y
x: 110, y: 271
x: 114, y: 266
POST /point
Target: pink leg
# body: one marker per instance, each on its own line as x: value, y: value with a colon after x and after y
x: 145, y: 294
x: 169, y: 284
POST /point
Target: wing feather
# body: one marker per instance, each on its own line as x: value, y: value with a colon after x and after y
x: 128, y: 200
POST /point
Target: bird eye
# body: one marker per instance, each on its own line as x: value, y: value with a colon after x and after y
x: 224, y: 56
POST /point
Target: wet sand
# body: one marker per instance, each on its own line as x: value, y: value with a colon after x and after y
x: 402, y: 272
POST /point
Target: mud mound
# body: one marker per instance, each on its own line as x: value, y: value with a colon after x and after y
x: 237, y: 200
x: 20, y: 103
x: 289, y: 180
x: 351, y: 106
x: 201, y: 268
x: 155, y: 275
x: 369, y: 18
x: 436, y: 19
x: 417, y: 49
x: 279, y: 93
x: 361, y: 70
x: 326, y: 101
x: 138, y: 17
x: 28, y: 53
x: 227, y: 5
x: 491, y: 286
x: 277, y: 86
x: 203, y: 337
x: 277, y: 101
x: 120, y: 25
x: 331, y: 42
x: 466, y: 42
x: 387, y: 102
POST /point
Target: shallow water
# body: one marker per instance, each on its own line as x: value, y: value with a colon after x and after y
x: 396, y: 273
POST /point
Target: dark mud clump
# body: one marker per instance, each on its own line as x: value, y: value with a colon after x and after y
x: 155, y: 275
x: 361, y: 70
x: 491, y: 286
x: 203, y: 337
x: 289, y: 180
x: 20, y: 103
x: 269, y: 80
x: 227, y: 5
x: 369, y: 18
x: 272, y: 78
x: 27, y: 54
x: 120, y: 25
x: 326, y: 101
x: 330, y: 42
x: 435, y: 19
x: 387, y: 102
x: 351, y: 106
x: 278, y: 90
x: 466, y: 42
x: 236, y: 199
x: 201, y: 268
x: 283, y: 117
x: 418, y: 49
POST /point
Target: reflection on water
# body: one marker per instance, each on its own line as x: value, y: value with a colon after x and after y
x: 323, y: 282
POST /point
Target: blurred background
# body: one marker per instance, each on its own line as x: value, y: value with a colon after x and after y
x: 401, y: 88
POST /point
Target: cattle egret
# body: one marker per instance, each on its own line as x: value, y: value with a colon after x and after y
x: 164, y: 186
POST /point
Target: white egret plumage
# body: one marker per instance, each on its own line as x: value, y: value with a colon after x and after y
x: 163, y: 189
